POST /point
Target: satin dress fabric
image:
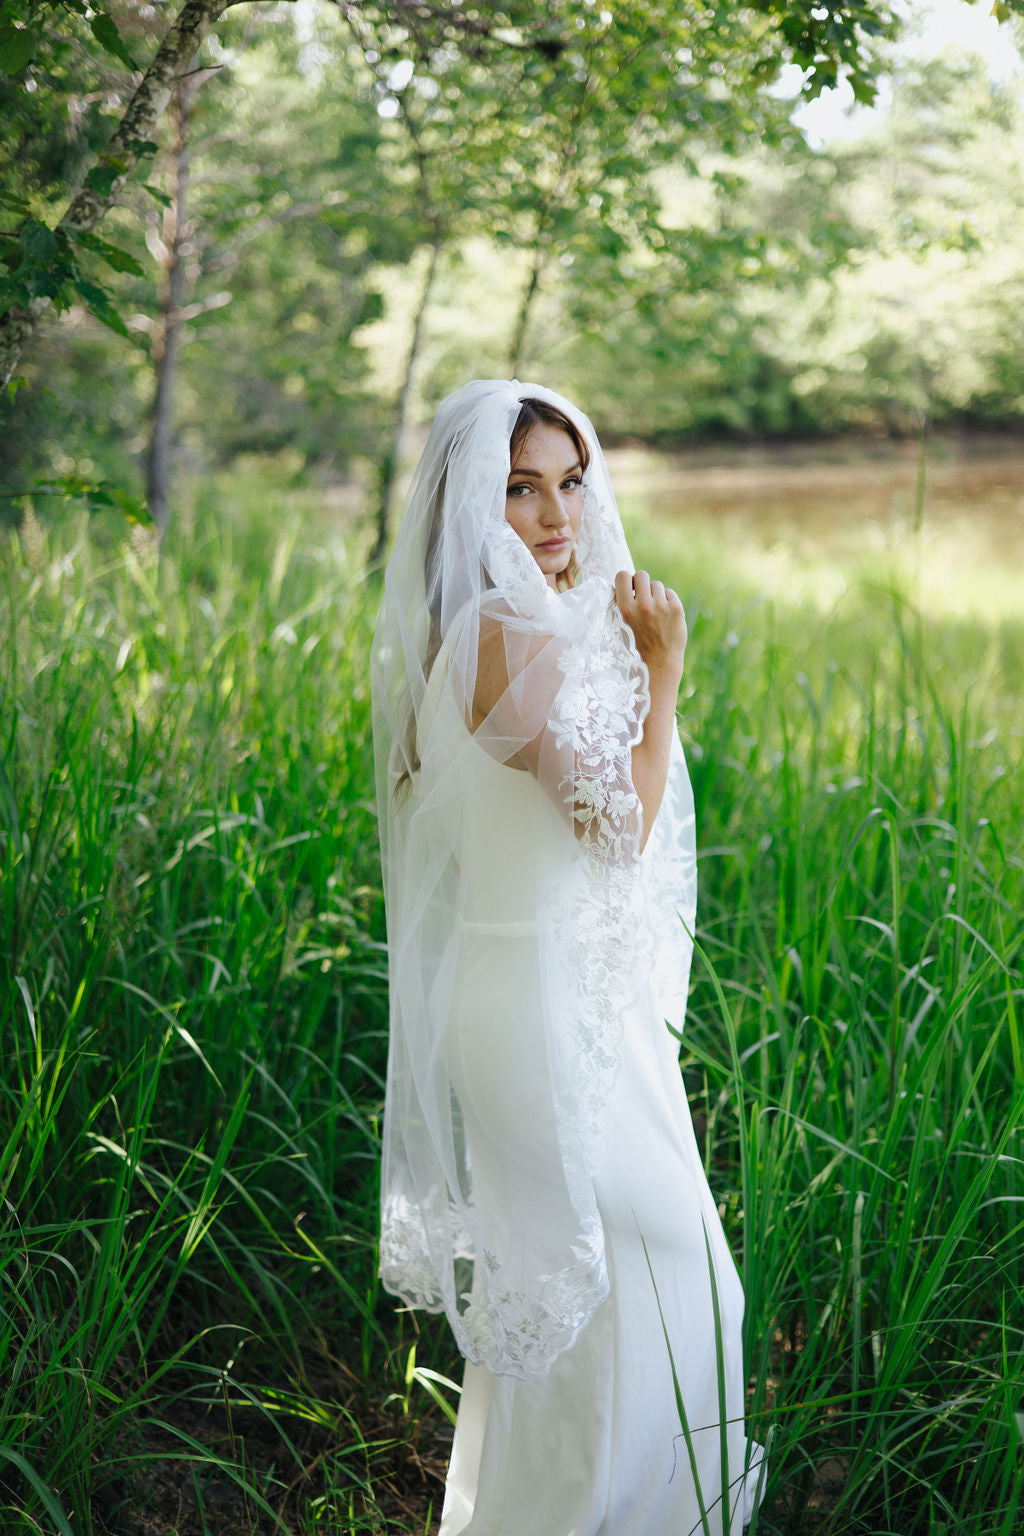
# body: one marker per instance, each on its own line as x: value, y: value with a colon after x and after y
x: 594, y: 1447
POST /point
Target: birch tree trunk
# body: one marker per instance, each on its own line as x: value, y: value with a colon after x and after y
x: 167, y: 336
x: 389, y: 464
x: 540, y: 256
x: 121, y: 155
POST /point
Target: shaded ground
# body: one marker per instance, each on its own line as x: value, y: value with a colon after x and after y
x: 218, y: 1469
x: 393, y: 1485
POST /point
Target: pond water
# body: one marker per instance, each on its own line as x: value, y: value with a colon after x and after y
x: 806, y: 521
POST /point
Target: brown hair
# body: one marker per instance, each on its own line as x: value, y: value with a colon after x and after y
x: 533, y: 413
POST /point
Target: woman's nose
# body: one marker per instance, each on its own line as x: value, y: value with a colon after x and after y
x: 553, y: 509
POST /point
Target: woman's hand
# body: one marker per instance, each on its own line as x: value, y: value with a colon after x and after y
x: 655, y: 615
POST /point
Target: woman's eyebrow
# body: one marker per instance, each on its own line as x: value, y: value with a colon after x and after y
x: 537, y: 474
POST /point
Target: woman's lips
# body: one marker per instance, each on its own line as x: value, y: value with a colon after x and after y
x: 553, y: 546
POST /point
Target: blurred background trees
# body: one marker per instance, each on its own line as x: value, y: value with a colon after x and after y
x: 352, y: 208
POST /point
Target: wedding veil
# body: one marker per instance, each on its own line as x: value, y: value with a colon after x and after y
x: 522, y: 915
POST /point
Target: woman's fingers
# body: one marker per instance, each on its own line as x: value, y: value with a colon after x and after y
x: 636, y: 590
x: 655, y: 615
x: 642, y: 588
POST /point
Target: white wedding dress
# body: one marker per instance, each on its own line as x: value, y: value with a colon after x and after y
x: 540, y: 1182
x: 595, y: 1446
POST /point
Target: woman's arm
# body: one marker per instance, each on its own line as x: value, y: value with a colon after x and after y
x: 611, y: 802
x: 655, y: 615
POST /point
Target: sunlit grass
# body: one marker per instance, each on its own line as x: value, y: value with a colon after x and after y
x: 813, y: 524
x: 193, y: 1025
x: 854, y: 1040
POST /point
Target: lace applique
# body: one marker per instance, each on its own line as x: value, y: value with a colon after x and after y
x: 406, y: 1266
x: 602, y: 931
x: 599, y: 714
x: 496, y: 1325
x: 518, y: 1332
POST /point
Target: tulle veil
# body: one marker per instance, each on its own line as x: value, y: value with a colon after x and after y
x: 518, y: 1271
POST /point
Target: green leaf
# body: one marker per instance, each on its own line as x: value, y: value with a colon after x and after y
x: 101, y: 179
x: 109, y: 38
x: 98, y: 495
x: 142, y: 147
x: 13, y: 292
x: 161, y: 197
x: 98, y: 301
x: 44, y: 1494
x: 38, y: 242
x: 17, y: 204
x: 17, y: 45
x: 113, y: 255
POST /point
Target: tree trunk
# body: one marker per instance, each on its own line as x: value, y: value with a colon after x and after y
x: 121, y: 155
x: 167, y: 336
x: 518, y: 347
x: 389, y: 463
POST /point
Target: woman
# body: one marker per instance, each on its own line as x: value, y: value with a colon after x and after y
x: 541, y: 1182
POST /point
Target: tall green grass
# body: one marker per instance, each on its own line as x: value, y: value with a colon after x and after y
x: 192, y: 994
x: 855, y: 1041
x: 193, y: 1018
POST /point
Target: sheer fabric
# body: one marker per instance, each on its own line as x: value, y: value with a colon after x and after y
x: 516, y: 1295
x: 535, y: 954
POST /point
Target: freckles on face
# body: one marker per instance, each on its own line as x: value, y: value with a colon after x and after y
x: 544, y: 499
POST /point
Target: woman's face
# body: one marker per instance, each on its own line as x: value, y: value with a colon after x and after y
x: 544, y: 500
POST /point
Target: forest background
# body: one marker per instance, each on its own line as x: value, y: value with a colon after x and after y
x: 235, y: 318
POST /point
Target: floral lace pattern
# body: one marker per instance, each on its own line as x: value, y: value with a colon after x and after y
x: 406, y: 1265
x: 599, y: 715
x: 519, y: 1332
x: 504, y: 1328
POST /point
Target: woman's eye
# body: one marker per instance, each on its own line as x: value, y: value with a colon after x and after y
x: 517, y: 490
x: 572, y: 482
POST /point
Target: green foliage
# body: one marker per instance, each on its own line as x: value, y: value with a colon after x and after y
x: 853, y: 1038
x: 104, y: 30
x: 16, y: 47
x: 96, y: 495
x: 193, y: 1015
x: 286, y: 219
x: 830, y: 41
x: 871, y: 286
x: 544, y: 140
x: 28, y: 28
x: 290, y: 215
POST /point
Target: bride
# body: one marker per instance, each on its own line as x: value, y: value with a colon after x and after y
x: 541, y: 1183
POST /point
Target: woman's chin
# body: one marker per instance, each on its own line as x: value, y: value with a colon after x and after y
x: 553, y: 561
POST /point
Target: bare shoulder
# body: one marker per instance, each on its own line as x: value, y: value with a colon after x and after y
x: 504, y: 651
x: 491, y: 668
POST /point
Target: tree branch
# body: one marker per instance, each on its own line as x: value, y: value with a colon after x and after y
x: 120, y: 157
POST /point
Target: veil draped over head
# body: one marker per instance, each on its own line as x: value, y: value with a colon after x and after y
x: 524, y: 922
